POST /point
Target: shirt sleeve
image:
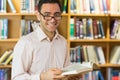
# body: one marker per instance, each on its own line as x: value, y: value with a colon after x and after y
x: 22, y: 59
x: 67, y: 57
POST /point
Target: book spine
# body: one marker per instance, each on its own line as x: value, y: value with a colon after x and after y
x: 2, y: 58
x: 72, y: 28
x: 65, y: 6
x: 104, y: 6
x: 5, y: 28
x: 2, y: 6
x: 84, y: 21
x: 11, y: 6
x: 23, y: 8
x: 78, y: 54
x: 2, y: 28
x: 92, y: 7
x: 95, y: 29
x: 27, y: 5
x: 8, y: 59
x: 77, y: 28
x: 23, y: 22
x: 101, y: 29
x: 72, y: 6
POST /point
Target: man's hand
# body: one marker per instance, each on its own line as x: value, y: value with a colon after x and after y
x: 51, y: 74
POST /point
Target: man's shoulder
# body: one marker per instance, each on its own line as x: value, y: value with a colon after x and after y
x: 29, y: 37
x: 62, y: 37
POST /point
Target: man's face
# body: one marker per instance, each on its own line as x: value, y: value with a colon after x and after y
x: 50, y: 17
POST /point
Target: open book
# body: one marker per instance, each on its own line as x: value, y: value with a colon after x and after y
x: 79, y: 68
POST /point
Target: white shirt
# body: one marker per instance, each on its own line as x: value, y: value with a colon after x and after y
x: 35, y: 53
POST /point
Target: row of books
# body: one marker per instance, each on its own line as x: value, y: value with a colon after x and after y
x: 28, y: 26
x: 113, y: 74
x: 3, y: 28
x: 3, y: 6
x: 29, y: 6
x: 6, y: 57
x: 4, y: 74
x: 94, y: 75
x: 115, y: 29
x: 86, y: 28
x: 87, y: 53
x: 95, y: 6
x: 115, y: 55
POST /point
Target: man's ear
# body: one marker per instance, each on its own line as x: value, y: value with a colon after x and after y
x: 37, y: 14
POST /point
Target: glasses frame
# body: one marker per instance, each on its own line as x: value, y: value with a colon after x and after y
x: 54, y: 17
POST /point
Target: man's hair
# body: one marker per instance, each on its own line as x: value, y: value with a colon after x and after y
x: 41, y: 2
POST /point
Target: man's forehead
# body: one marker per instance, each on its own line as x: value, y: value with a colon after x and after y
x: 50, y: 7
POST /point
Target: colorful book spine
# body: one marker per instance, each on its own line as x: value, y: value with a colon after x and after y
x: 2, y: 29
x: 104, y: 6
x: 95, y: 29
x: 5, y: 21
x: 65, y: 6
x: 101, y: 29
x: 78, y: 54
x: 7, y: 61
x: 92, y: 6
x: 72, y: 28
x: 3, y: 57
x: 72, y: 6
x: 2, y: 6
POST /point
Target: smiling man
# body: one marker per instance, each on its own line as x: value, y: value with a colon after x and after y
x: 42, y: 54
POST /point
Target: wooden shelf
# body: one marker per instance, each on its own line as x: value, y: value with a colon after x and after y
x: 7, y: 66
x: 10, y: 14
x: 91, y: 15
x: 88, y: 40
x: 109, y: 65
x: 9, y: 40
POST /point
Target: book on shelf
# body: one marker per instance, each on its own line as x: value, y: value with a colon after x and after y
x: 114, y: 55
x: 3, y: 5
x: 79, y: 68
x: 65, y: 6
x: 8, y: 60
x: 11, y: 6
x: 4, y: 28
x: 113, y: 74
x: 72, y: 28
x: 5, y: 56
x: 100, y: 55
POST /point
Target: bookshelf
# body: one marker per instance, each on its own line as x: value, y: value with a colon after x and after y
x: 14, y: 32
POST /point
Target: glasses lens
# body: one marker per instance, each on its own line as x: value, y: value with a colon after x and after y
x: 50, y: 17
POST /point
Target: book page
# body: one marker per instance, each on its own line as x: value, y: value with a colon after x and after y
x: 77, y: 68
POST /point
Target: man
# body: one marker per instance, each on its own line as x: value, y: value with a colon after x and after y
x: 42, y: 54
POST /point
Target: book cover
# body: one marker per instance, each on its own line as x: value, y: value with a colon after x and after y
x: 79, y: 68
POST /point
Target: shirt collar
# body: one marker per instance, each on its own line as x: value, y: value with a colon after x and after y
x: 41, y: 35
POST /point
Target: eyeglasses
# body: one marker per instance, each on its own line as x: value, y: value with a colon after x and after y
x: 57, y: 16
